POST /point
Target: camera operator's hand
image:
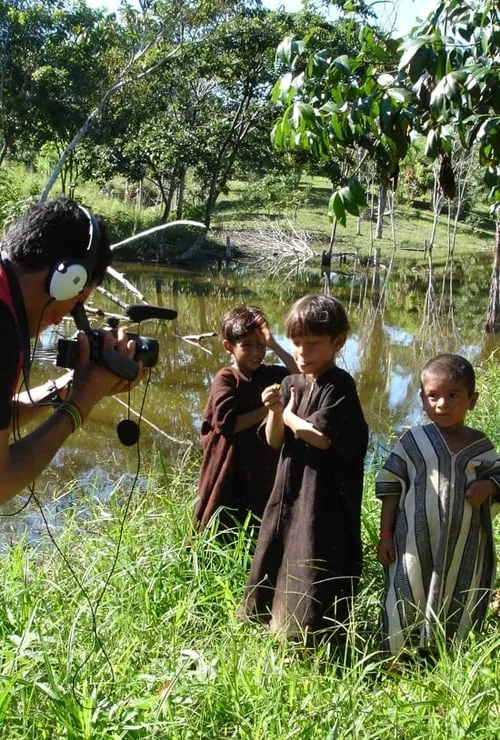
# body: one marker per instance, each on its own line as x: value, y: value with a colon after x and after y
x: 92, y: 381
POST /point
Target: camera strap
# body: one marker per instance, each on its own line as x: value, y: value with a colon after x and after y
x: 80, y: 318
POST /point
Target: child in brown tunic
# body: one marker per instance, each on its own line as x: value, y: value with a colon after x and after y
x: 308, y: 556
x: 237, y: 470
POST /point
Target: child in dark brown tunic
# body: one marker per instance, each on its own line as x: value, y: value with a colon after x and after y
x: 237, y: 470
x: 307, y: 561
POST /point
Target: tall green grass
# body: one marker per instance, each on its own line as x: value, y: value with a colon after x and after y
x: 173, y: 661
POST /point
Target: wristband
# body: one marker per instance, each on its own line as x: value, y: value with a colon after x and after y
x: 73, y: 411
x: 385, y: 535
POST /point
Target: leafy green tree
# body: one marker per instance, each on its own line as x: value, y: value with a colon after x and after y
x: 205, y: 111
x: 443, y: 83
x: 47, y: 83
x: 453, y: 62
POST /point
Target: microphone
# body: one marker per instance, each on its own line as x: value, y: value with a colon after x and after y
x: 142, y: 312
x: 128, y: 432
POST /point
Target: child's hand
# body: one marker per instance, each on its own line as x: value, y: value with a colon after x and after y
x: 385, y: 551
x: 264, y: 328
x: 479, y: 491
x: 271, y: 397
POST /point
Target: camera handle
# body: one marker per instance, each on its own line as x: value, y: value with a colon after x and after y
x: 120, y: 365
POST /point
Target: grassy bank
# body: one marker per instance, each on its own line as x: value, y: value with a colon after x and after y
x: 172, y: 661
x: 305, y: 210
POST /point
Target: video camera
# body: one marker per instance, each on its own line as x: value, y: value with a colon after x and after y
x: 146, y: 348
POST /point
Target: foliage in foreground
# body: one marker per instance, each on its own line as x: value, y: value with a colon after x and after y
x: 175, y: 662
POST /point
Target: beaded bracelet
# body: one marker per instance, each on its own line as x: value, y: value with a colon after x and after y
x: 72, y: 410
x: 385, y: 535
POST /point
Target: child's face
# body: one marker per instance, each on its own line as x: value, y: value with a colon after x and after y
x: 315, y: 353
x: 248, y: 352
x: 446, y: 401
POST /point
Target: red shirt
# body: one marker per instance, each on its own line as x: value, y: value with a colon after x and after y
x: 12, y: 354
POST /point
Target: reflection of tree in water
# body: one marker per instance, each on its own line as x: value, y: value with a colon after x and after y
x: 392, y: 349
x: 391, y: 358
x: 373, y: 373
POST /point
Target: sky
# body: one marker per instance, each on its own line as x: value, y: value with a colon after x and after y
x: 407, y: 10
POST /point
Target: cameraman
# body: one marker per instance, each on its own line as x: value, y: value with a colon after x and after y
x: 52, y: 258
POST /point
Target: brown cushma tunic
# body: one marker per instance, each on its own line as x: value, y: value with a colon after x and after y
x: 308, y: 556
x: 237, y: 470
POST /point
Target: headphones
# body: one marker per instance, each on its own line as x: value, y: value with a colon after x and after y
x: 70, y: 276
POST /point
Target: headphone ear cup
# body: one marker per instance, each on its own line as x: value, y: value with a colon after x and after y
x: 67, y: 280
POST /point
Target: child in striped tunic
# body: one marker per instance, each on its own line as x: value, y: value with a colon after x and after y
x: 439, y: 489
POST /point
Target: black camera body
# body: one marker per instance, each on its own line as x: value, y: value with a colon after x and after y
x: 146, y: 351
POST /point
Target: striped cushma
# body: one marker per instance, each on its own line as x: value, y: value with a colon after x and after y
x: 444, y: 570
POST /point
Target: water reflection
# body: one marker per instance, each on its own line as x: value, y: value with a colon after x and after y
x: 384, y: 353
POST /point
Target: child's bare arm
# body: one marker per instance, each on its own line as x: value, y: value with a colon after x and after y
x: 249, y: 419
x: 278, y: 350
x: 301, y: 428
x: 385, y: 551
x: 275, y: 431
x: 270, y: 397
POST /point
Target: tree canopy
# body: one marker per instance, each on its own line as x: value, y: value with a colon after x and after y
x: 442, y: 82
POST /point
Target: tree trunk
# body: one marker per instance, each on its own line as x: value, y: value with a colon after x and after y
x: 332, y: 239
x: 3, y: 152
x: 493, y: 315
x: 376, y: 279
x: 180, y: 193
x: 167, y: 198
x: 382, y: 200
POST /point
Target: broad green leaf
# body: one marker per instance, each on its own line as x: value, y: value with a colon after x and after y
x: 297, y: 82
x: 386, y: 116
x: 282, y: 88
x: 331, y: 107
x: 284, y: 50
x: 318, y: 63
x: 401, y: 94
x: 336, y: 128
x: 357, y: 191
x: 343, y: 63
x: 410, y: 49
x: 384, y: 80
x: 349, y: 201
x: 277, y: 135
x: 432, y: 144
x: 336, y: 208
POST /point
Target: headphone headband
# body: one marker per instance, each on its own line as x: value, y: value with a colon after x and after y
x: 71, y: 275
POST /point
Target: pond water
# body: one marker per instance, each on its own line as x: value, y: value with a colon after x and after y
x: 384, y: 353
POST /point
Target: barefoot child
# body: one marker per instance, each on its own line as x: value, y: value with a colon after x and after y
x: 437, y: 489
x: 237, y: 470
x: 308, y: 556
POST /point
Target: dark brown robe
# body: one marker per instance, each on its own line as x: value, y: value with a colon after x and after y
x: 308, y: 556
x: 237, y: 470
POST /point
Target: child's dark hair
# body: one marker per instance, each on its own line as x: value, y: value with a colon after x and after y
x: 452, y: 367
x: 240, y: 321
x: 52, y: 231
x: 316, y: 314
